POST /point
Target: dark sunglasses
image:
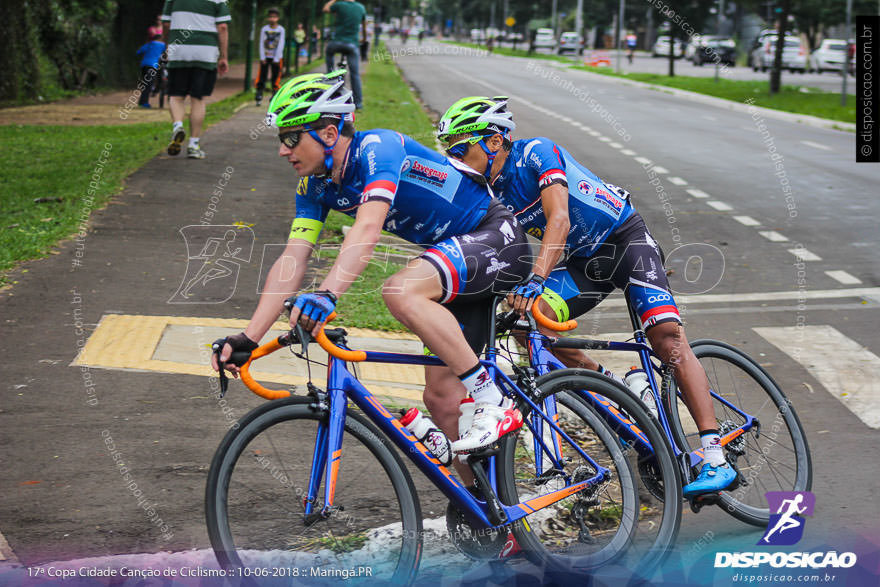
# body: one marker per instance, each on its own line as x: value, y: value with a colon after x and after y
x: 291, y: 139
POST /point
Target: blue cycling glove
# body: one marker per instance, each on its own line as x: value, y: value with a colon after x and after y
x: 318, y: 305
x: 530, y: 287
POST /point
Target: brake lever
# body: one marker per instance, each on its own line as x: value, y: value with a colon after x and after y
x: 224, y: 380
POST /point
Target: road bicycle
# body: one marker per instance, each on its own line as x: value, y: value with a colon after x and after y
x: 308, y: 481
x: 762, y: 436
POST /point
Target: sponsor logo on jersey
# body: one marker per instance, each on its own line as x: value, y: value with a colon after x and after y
x: 303, y: 186
x: 506, y: 231
x: 407, y: 163
x: 371, y: 162
x: 663, y: 297
x: 612, y: 203
x: 536, y: 232
x: 426, y: 174
x: 584, y: 187
x: 474, y: 239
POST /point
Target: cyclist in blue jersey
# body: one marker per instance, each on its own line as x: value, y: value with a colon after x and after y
x: 603, y: 243
x: 385, y: 180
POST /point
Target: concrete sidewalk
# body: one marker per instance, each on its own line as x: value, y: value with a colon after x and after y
x: 61, y: 495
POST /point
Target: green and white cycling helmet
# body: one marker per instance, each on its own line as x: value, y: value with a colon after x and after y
x: 306, y: 98
x: 476, y: 115
x: 311, y: 97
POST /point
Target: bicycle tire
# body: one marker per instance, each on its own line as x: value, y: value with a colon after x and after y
x: 630, y: 554
x: 294, y: 413
x: 730, y: 371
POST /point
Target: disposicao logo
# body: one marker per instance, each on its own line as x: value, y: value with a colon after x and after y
x: 786, y: 526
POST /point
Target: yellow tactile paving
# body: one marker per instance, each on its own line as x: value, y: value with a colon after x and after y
x: 130, y: 342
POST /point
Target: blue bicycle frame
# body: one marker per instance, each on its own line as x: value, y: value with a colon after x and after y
x: 342, y: 385
x: 544, y: 362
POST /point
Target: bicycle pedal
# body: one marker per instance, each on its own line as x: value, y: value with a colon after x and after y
x: 698, y: 502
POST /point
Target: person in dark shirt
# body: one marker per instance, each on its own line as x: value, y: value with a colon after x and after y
x: 351, y: 17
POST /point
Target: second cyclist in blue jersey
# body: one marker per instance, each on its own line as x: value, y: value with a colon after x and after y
x: 385, y: 180
x: 602, y: 243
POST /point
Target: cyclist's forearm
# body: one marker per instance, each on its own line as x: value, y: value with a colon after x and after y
x: 284, y: 279
x: 552, y: 245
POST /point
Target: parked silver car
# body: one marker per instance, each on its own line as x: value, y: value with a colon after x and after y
x: 794, y: 56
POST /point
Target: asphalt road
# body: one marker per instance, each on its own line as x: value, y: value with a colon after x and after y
x: 726, y: 159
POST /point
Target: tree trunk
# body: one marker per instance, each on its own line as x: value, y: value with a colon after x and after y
x: 776, y: 73
x: 671, y: 51
x: 19, y: 60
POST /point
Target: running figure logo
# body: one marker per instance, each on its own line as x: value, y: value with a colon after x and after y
x: 786, y: 526
x: 214, y: 257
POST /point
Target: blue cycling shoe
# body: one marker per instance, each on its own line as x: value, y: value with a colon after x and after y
x: 710, y: 480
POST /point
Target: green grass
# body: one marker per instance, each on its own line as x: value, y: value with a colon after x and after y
x: 45, y: 172
x: 797, y: 99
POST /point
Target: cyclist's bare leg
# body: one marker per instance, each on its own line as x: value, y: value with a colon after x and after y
x: 196, y: 117
x: 443, y: 392
x: 411, y: 295
x: 670, y: 343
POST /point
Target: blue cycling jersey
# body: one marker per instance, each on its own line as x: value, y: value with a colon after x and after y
x: 594, y: 208
x: 431, y: 199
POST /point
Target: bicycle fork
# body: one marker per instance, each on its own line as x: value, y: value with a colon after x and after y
x: 327, y: 455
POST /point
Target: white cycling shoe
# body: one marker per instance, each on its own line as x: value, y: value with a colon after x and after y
x: 490, y: 422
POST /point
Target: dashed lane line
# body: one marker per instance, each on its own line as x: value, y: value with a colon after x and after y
x: 773, y: 236
x: 643, y: 160
x: 720, y: 206
x: 843, y: 277
x: 698, y: 193
x: 677, y: 181
x: 805, y: 255
x: 659, y: 170
x: 747, y: 220
x: 816, y: 145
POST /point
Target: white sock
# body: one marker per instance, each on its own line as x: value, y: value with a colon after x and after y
x: 177, y: 123
x: 480, y: 386
x: 713, y: 454
x: 193, y: 142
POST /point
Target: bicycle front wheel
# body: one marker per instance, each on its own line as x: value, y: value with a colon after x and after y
x: 258, y: 484
x: 773, y: 456
x: 617, y: 525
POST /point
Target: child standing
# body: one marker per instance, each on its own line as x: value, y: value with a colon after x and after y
x: 152, y: 51
x: 271, y: 53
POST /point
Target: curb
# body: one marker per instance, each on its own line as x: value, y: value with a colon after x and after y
x: 805, y: 119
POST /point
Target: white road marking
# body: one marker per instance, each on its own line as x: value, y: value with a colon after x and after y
x: 605, y: 139
x: 566, y: 119
x: 747, y: 220
x: 843, y: 277
x: 629, y: 152
x: 615, y: 145
x: 660, y: 170
x: 677, y: 181
x: 816, y: 145
x: 643, y: 160
x: 849, y: 371
x: 707, y: 117
x: 772, y: 235
x: 697, y: 193
x: 593, y: 133
x: 767, y: 296
x: 721, y: 206
x: 805, y: 255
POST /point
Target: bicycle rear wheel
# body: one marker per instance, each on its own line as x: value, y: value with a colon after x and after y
x: 254, y: 501
x: 617, y: 526
x: 772, y: 457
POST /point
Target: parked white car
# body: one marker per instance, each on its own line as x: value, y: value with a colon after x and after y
x: 544, y: 39
x: 794, y: 56
x: 661, y: 47
x: 570, y: 42
x: 830, y: 56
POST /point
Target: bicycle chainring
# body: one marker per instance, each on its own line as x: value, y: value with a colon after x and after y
x: 651, y: 478
x: 738, y: 445
x: 480, y: 544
